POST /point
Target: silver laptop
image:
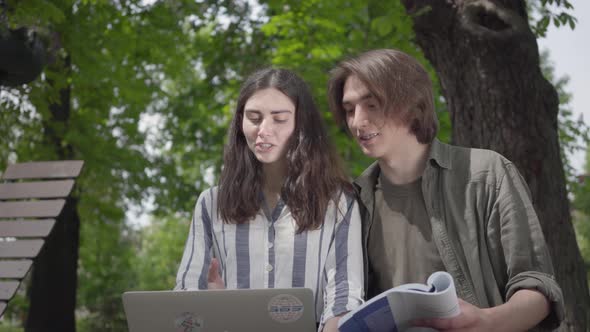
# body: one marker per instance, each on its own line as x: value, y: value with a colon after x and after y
x: 285, y: 310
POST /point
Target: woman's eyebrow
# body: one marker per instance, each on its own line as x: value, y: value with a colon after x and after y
x: 252, y: 111
x: 271, y: 112
x: 280, y: 111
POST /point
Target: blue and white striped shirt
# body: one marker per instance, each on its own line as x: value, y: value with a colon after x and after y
x: 267, y: 253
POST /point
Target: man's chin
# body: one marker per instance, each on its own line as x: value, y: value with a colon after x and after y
x: 371, y: 153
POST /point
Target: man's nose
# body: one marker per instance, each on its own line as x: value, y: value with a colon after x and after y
x: 360, y: 117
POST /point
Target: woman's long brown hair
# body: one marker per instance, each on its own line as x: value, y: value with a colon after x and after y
x: 314, y: 171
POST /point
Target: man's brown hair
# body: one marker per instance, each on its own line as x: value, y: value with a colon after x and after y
x: 398, y: 82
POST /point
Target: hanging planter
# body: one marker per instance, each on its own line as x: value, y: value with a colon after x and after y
x: 21, y: 57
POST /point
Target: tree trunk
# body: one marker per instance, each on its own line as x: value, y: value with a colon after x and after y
x: 52, y: 292
x: 487, y: 60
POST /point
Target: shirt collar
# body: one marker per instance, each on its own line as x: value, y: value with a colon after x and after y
x: 440, y: 155
x: 369, y: 177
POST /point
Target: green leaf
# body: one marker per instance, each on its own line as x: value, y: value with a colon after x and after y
x: 382, y: 24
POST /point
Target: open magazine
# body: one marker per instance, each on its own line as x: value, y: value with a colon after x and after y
x: 396, y: 308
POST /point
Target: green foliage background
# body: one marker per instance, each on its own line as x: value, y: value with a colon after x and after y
x: 152, y: 90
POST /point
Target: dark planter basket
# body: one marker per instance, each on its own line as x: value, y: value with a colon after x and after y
x: 21, y: 57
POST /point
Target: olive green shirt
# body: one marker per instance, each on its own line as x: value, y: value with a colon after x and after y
x: 400, y: 244
x: 484, y: 226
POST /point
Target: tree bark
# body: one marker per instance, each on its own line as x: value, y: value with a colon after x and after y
x: 52, y: 293
x: 487, y: 61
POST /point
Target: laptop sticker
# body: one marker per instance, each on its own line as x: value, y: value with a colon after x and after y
x: 285, y: 308
x: 188, y: 322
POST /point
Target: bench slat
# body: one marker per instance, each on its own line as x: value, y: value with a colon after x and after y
x: 41, y: 189
x: 7, y: 289
x: 26, y: 228
x: 20, y: 248
x: 15, y: 269
x: 44, y: 170
x: 33, y: 209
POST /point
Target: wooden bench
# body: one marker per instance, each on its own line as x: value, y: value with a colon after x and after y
x: 32, y: 196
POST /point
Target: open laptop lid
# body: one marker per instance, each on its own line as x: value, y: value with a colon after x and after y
x: 288, y: 310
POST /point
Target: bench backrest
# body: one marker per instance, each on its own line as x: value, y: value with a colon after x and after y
x: 32, y: 196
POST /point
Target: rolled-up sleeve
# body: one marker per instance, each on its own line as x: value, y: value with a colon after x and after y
x: 193, y: 269
x: 526, y: 255
x: 343, y: 272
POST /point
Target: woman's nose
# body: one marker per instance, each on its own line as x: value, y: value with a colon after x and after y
x: 265, y: 129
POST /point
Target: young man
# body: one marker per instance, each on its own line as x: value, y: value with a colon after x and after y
x: 430, y: 206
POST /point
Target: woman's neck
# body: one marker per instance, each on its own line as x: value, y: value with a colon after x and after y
x: 274, y: 177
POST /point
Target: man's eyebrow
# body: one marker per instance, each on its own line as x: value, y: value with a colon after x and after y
x: 364, y: 97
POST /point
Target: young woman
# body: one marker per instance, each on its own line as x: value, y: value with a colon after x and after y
x: 283, y: 214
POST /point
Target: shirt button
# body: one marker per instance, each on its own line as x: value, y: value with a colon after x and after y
x: 269, y: 268
x: 270, y: 245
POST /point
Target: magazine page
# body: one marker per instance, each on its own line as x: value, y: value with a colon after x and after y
x: 395, y: 309
x: 408, y: 303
